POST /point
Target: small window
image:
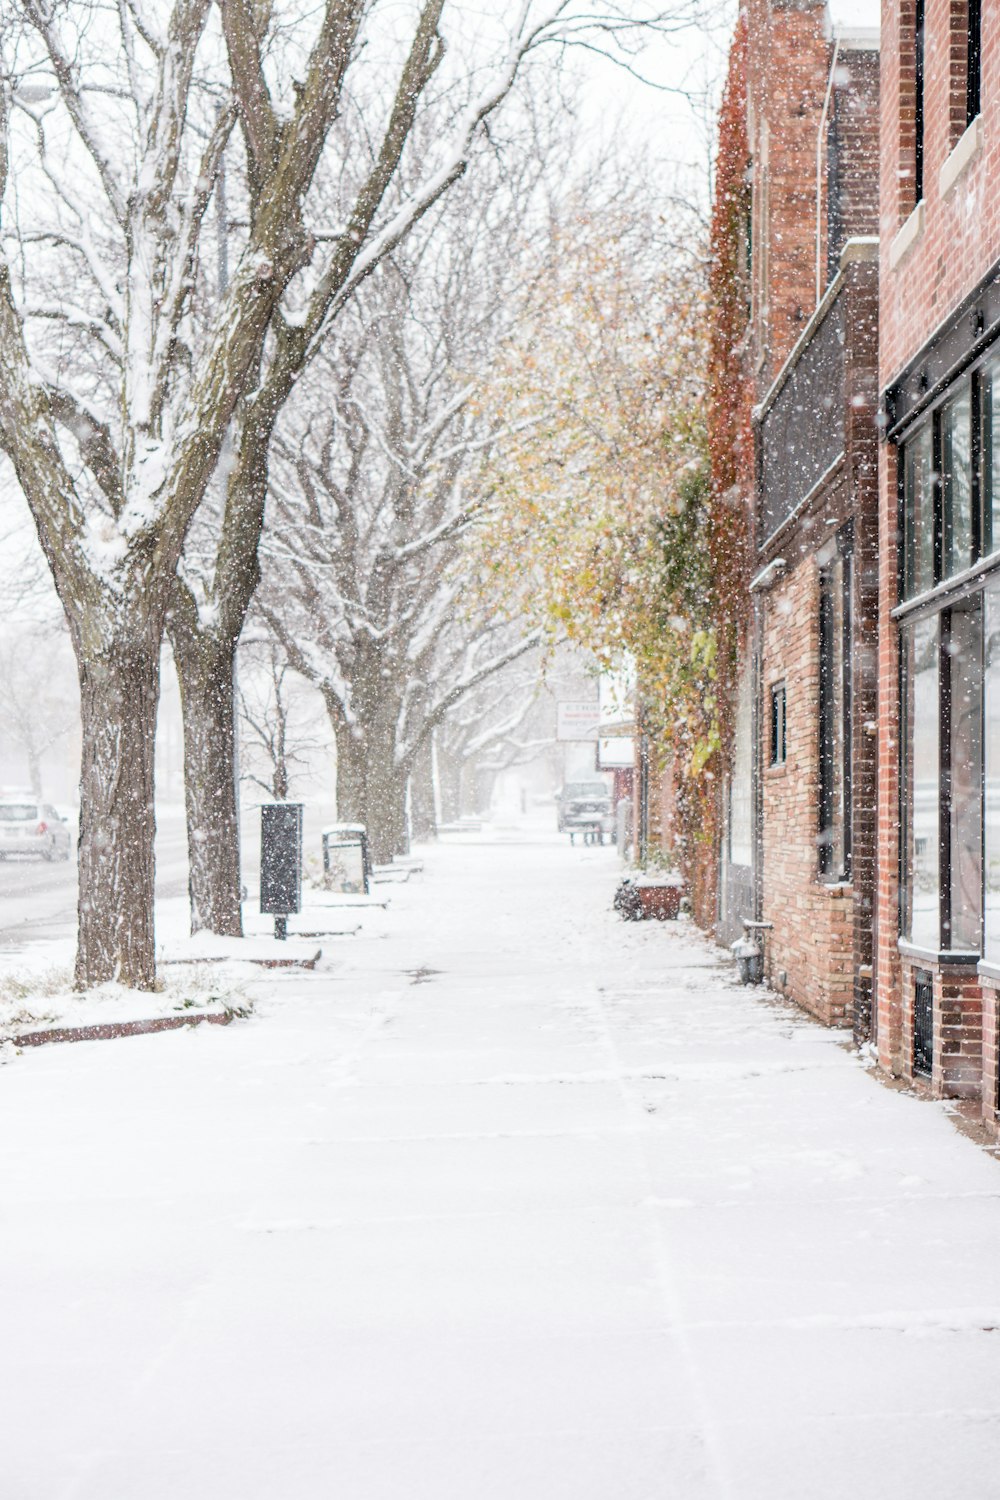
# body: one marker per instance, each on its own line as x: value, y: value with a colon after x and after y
x: 835, y: 658
x: 918, y: 100
x: 918, y: 512
x: 956, y: 477
x: 778, y: 725
x: 923, y: 1022
x: 988, y: 414
x: 974, y: 63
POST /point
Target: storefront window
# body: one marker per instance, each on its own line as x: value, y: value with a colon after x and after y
x: 918, y: 513
x: 921, y: 887
x: 956, y: 480
x: 962, y: 668
x: 989, y: 384
x: 991, y: 759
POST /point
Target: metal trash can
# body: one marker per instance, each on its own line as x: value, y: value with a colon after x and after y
x: 346, y: 863
x: 281, y: 862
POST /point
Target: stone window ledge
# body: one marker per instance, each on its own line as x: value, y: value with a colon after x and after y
x: 965, y: 150
x: 906, y: 236
x: 930, y: 958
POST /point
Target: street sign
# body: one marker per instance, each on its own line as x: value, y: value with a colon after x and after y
x: 578, y: 721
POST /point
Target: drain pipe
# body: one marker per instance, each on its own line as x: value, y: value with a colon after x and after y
x: 819, y: 165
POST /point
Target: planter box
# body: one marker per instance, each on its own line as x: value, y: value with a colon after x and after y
x: 660, y: 902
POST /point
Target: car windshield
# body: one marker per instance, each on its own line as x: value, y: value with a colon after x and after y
x: 586, y: 789
x: 18, y: 812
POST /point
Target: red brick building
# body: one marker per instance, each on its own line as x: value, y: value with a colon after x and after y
x: 938, y: 908
x: 806, y: 696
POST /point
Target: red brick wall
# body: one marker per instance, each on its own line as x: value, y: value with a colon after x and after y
x: 958, y: 1030
x: 957, y: 245
x: 855, y: 109
x: 888, y: 1013
x: 961, y: 234
x: 812, y: 938
x: 788, y: 67
x: 991, y: 1051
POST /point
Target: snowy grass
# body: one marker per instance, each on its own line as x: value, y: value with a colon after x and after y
x: 36, y: 999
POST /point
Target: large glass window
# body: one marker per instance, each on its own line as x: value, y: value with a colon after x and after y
x: 835, y: 717
x: 956, y: 482
x: 921, y: 884
x: 918, y: 513
x: 989, y: 423
x: 991, y: 768
x: 942, y: 776
x: 963, y: 702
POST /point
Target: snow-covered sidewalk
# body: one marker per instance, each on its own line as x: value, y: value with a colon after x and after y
x: 506, y: 1200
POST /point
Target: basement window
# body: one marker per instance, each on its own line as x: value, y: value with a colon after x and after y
x: 923, y: 1023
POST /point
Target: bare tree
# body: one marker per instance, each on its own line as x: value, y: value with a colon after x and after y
x: 275, y: 743
x: 504, y: 724
x: 119, y: 397
x: 374, y: 488
x: 37, y: 709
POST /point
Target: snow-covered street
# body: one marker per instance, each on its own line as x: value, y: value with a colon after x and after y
x: 508, y: 1199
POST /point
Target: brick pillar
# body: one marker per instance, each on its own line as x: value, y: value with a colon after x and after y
x: 887, y: 975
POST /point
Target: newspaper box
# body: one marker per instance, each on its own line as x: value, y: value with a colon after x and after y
x: 345, y: 859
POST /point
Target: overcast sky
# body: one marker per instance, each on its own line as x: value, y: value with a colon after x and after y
x: 676, y: 120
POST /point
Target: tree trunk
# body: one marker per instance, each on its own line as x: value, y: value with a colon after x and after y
x: 450, y: 782
x: 423, y: 811
x: 119, y: 692
x: 205, y: 671
x: 34, y: 771
x: 371, y: 791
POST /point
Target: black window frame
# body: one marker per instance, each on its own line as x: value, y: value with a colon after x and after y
x: 919, y: 28
x: 827, y: 702
x: 923, y: 1022
x: 946, y: 863
x: 943, y: 592
x: 980, y: 439
x: 974, y: 61
x: 778, y: 722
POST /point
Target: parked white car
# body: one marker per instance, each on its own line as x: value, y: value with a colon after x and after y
x: 28, y: 827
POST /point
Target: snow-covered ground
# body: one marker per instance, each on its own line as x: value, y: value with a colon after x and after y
x: 505, y: 1200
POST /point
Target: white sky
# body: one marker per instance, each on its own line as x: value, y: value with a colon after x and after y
x: 675, y: 127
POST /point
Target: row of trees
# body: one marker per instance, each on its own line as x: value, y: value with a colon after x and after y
x: 192, y: 199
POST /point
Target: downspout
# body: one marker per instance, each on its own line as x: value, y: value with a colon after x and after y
x: 819, y: 166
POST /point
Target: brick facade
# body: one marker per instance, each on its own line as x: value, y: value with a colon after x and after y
x: 818, y: 945
x: 933, y: 256
x: 809, y: 949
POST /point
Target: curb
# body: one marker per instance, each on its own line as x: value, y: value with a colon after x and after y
x: 107, y: 1031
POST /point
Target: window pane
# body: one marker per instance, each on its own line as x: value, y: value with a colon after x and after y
x: 778, y: 725
x: 741, y: 786
x: 965, y: 733
x: 918, y: 513
x: 835, y: 747
x: 990, y: 427
x: 956, y: 475
x: 921, y: 915
x: 991, y: 637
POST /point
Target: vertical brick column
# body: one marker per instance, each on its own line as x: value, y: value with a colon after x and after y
x: 887, y: 970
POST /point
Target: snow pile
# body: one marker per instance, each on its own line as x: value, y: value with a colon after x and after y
x: 43, y: 999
